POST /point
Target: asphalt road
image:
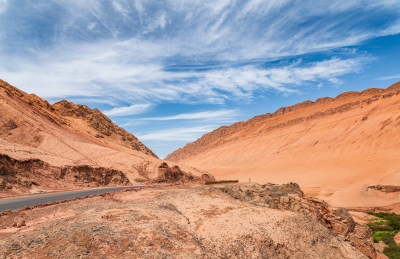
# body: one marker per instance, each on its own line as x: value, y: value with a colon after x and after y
x: 20, y: 202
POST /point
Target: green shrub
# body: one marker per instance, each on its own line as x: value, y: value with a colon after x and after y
x: 379, y: 227
x: 385, y: 228
x: 394, y: 223
x: 378, y: 235
x: 392, y: 251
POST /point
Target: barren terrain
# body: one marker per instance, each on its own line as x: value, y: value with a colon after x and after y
x: 335, y: 148
x: 261, y: 221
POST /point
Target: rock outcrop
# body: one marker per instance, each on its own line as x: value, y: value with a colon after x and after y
x: 26, y: 174
x: 290, y: 197
x: 34, y: 173
x: 385, y: 188
x: 173, y: 174
x: 101, y: 123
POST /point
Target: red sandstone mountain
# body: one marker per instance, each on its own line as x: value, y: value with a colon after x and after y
x: 65, y: 145
x: 335, y: 148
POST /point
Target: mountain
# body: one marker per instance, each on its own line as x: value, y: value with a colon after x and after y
x: 66, y: 145
x: 344, y: 149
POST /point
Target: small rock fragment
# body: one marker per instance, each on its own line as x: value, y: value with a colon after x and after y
x: 21, y: 224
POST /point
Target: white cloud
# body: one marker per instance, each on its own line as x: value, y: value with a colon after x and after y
x: 3, y: 6
x: 139, y: 6
x: 390, y: 77
x: 162, y: 20
x: 119, y: 8
x: 92, y: 25
x: 196, y: 115
x: 95, y: 53
x: 128, y: 110
x: 94, y: 101
x: 105, y: 72
x: 177, y: 134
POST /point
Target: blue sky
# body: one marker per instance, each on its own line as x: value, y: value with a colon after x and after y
x: 169, y: 71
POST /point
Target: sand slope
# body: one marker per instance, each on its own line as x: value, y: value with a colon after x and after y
x: 334, y: 147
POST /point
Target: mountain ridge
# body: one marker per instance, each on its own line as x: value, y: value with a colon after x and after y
x: 65, y: 109
x: 64, y: 146
x: 334, y: 148
x: 189, y: 149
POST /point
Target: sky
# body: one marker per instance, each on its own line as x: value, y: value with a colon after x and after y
x: 170, y: 71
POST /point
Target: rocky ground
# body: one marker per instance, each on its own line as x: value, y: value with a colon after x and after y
x: 221, y: 221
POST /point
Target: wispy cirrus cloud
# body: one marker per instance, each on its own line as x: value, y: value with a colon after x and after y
x: 3, y: 6
x: 178, y: 134
x: 397, y: 76
x: 102, y: 76
x: 157, y: 51
x: 128, y: 110
x: 205, y: 115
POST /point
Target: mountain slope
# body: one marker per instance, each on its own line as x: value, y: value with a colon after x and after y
x: 76, y: 117
x: 334, y: 147
x: 39, y: 141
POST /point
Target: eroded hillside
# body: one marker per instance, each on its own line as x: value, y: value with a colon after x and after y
x: 334, y: 147
x: 65, y: 145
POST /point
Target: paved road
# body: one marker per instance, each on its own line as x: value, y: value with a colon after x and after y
x: 20, y: 202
